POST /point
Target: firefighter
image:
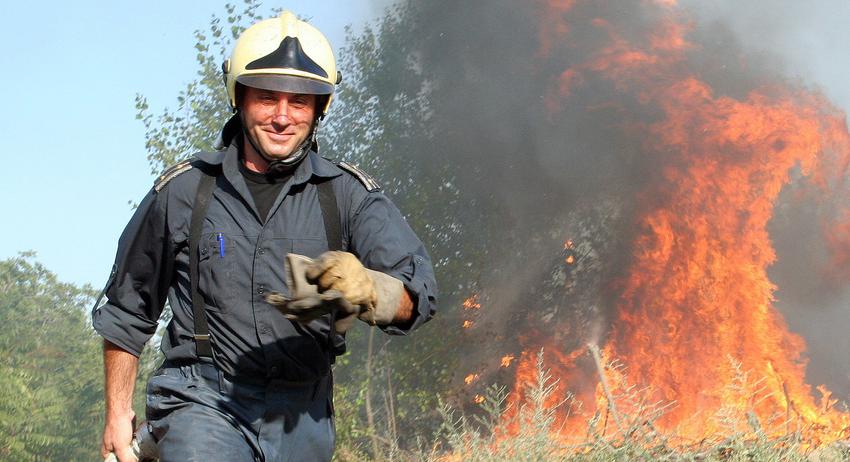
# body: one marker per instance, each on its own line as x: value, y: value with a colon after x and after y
x: 265, y: 252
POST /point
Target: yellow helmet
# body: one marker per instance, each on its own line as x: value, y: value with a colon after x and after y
x: 282, y: 54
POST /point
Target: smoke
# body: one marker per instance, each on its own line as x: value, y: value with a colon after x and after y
x: 808, y: 37
x: 538, y: 173
x: 495, y: 123
x: 548, y: 151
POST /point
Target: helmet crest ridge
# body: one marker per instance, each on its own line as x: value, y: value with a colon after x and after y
x: 289, y: 55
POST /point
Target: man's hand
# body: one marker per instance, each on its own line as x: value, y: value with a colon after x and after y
x: 343, y: 272
x: 305, y: 303
x: 117, y: 437
x: 338, y: 283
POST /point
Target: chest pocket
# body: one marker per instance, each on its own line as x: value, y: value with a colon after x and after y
x: 310, y: 247
x: 218, y: 270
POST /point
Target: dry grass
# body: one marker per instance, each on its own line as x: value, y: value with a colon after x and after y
x: 530, y: 432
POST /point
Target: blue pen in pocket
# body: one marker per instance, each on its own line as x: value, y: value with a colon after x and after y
x: 220, y: 238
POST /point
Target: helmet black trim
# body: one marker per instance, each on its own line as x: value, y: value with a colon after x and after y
x: 286, y: 83
x: 289, y: 55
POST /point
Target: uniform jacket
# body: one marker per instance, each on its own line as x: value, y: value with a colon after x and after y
x: 249, y: 337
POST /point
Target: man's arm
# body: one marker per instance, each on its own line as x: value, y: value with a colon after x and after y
x: 385, y: 279
x: 120, y: 368
x: 384, y: 242
x: 135, y: 294
x: 404, y: 313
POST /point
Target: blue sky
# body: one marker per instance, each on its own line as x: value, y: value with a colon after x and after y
x: 74, y: 154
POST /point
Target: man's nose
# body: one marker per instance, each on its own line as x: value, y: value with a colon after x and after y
x: 281, y: 113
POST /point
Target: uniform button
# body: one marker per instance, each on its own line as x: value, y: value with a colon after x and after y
x: 264, y: 329
x: 261, y: 289
x: 262, y: 251
x: 204, y: 251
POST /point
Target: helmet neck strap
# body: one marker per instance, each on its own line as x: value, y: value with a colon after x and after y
x: 283, y: 165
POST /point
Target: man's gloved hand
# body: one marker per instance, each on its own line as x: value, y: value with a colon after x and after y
x: 343, y: 272
x: 338, y: 283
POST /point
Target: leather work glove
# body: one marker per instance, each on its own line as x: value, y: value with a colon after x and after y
x: 343, y: 272
x: 337, y: 283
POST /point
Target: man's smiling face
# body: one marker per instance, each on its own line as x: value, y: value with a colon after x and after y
x: 277, y: 122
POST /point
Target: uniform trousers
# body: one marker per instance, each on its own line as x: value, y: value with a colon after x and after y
x: 197, y: 413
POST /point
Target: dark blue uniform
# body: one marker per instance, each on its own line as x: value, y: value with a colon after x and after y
x: 269, y: 387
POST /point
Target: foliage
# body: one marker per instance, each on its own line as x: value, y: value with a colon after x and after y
x: 50, y: 376
x: 202, y: 106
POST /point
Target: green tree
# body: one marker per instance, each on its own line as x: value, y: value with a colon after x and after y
x: 202, y: 106
x: 50, y: 376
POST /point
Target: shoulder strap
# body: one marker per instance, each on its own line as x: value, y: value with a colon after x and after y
x: 173, y: 172
x: 333, y: 233
x: 199, y: 212
x: 330, y: 215
x: 368, y: 182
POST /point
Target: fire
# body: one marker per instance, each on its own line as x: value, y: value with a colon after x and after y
x: 695, y: 312
x: 507, y: 360
x: 569, y: 248
x: 699, y: 290
x: 469, y: 379
x: 471, y: 303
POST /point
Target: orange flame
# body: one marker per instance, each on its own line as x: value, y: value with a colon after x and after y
x: 506, y: 360
x: 471, y: 303
x: 697, y: 292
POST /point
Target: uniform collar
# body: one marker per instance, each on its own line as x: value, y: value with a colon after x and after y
x: 212, y: 157
x: 314, y: 165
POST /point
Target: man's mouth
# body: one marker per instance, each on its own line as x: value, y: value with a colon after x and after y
x: 280, y: 136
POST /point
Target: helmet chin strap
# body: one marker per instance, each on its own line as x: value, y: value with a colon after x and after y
x: 278, y: 166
